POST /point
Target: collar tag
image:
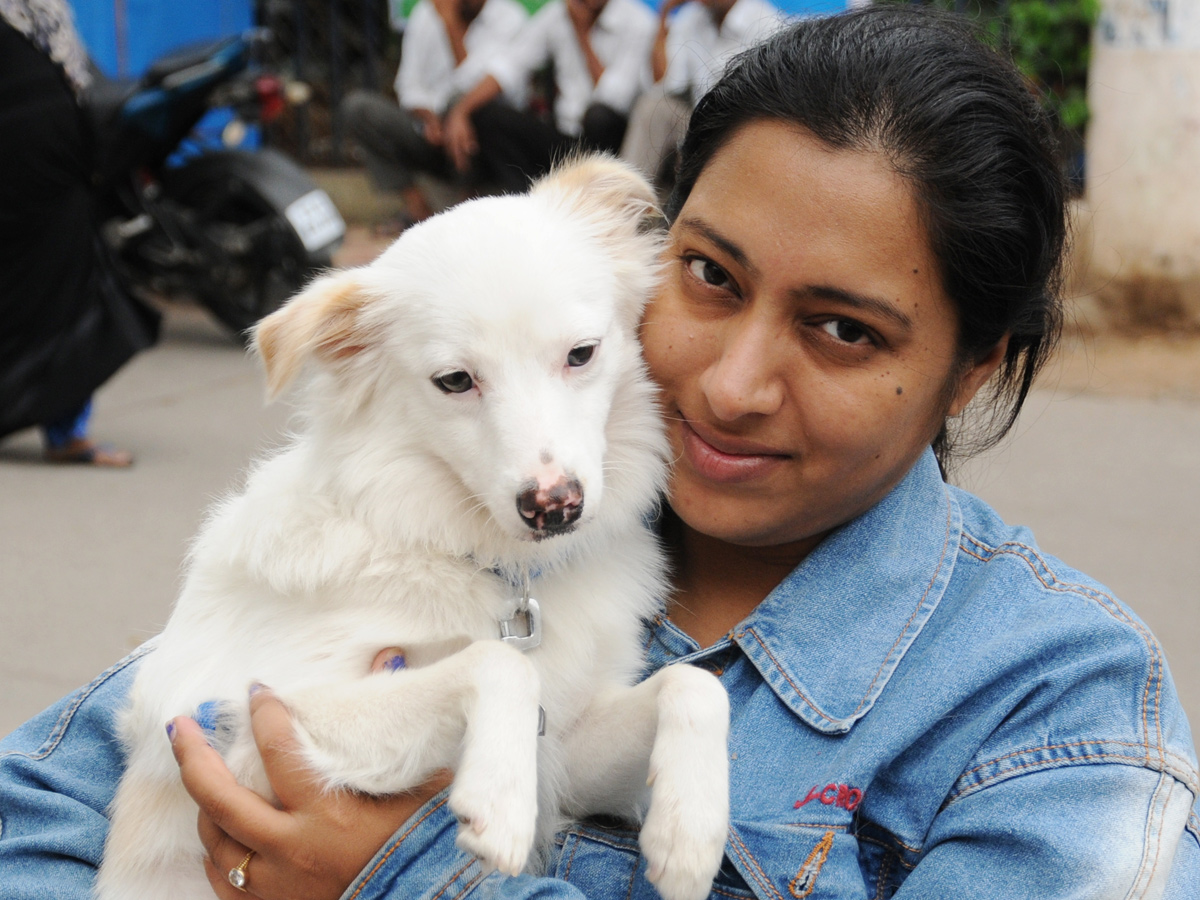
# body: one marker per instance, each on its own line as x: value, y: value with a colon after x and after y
x: 523, y: 629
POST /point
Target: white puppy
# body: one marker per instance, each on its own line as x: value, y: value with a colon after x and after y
x: 479, y: 420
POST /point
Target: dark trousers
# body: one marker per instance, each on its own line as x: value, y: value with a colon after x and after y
x: 393, y: 141
x: 516, y: 146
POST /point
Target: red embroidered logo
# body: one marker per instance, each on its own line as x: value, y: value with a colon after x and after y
x: 841, y: 795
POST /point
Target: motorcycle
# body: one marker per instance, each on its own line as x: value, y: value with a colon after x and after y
x: 237, y: 230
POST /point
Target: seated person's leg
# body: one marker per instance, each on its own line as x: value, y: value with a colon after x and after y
x: 515, y: 146
x: 603, y: 128
x: 394, y: 147
x: 656, y: 128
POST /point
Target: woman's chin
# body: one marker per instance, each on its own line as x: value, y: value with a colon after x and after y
x: 714, y: 514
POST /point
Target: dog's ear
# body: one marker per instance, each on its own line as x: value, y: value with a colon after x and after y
x: 321, y: 321
x: 604, y: 189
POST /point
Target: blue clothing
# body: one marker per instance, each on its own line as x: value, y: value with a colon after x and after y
x: 926, y: 707
x: 71, y: 427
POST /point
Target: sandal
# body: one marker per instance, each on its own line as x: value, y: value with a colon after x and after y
x: 85, y: 452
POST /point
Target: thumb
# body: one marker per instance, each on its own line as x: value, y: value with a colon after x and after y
x: 293, y: 782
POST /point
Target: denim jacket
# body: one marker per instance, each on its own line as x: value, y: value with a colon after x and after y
x: 928, y: 706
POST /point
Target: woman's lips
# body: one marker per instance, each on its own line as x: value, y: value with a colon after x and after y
x: 726, y: 460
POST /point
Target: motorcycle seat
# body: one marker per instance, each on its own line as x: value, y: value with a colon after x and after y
x: 184, y: 58
x: 105, y: 97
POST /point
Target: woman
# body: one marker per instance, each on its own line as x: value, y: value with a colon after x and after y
x: 867, y: 229
x: 65, y: 324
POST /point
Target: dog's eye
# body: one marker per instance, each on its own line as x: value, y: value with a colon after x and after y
x: 581, y: 355
x: 454, y: 383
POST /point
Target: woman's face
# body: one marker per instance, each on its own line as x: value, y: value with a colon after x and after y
x: 803, y: 342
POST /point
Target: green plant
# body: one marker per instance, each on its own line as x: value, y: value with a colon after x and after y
x: 1051, y: 42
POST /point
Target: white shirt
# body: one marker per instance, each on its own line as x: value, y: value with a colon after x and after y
x: 698, y: 51
x: 428, y: 77
x: 621, y: 38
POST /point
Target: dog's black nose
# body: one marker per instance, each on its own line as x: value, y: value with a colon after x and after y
x: 552, y: 510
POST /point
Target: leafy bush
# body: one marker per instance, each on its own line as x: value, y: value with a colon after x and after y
x: 1051, y: 43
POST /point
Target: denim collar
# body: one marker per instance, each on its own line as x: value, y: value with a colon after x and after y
x: 829, y: 637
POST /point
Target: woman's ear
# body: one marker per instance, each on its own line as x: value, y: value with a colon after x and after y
x: 321, y: 321
x: 977, y: 376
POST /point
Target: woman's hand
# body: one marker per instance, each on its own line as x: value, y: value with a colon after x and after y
x: 316, y: 843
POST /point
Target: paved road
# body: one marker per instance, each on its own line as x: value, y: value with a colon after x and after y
x: 89, y: 560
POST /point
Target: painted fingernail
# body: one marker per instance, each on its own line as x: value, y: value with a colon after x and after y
x: 257, y: 686
x: 171, y: 731
x: 392, y: 663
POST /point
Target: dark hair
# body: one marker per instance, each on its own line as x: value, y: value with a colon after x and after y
x: 958, y: 122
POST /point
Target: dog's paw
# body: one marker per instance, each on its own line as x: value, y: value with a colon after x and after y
x: 683, y: 836
x: 683, y: 840
x: 497, y: 819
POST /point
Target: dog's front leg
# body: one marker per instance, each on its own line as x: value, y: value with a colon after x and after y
x: 671, y: 733
x: 475, y: 711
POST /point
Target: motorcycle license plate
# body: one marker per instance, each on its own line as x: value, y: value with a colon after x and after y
x: 315, y: 219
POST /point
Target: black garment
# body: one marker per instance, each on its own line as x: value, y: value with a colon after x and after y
x: 66, y: 325
x: 517, y: 146
x: 393, y: 141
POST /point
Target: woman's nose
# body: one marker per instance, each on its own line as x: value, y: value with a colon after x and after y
x: 743, y: 380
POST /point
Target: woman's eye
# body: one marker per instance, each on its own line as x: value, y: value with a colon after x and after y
x: 707, y: 271
x: 847, y: 331
x: 581, y: 355
x: 454, y: 382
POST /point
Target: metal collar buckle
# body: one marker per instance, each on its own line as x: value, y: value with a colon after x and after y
x: 523, y: 629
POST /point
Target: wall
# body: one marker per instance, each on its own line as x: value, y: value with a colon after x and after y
x: 125, y: 36
x: 1141, y: 235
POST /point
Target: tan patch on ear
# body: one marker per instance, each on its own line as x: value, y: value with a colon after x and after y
x: 322, y: 320
x: 340, y: 337
x: 599, y: 185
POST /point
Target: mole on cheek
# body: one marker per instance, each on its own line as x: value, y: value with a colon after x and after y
x: 899, y: 390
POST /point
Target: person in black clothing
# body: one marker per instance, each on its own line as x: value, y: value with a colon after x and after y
x: 66, y: 325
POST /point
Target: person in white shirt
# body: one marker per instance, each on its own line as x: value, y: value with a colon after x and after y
x: 691, y: 49
x: 600, y: 55
x: 447, y: 48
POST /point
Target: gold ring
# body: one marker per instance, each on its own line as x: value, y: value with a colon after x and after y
x: 238, y: 875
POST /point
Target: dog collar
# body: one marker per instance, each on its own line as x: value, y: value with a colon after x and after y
x: 523, y: 629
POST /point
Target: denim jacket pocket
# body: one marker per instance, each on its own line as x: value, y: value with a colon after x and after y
x: 796, y: 862
x: 763, y: 862
x: 602, y: 858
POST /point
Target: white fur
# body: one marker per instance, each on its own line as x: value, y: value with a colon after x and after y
x: 391, y: 519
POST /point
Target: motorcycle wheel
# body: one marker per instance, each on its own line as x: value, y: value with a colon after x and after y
x: 254, y: 260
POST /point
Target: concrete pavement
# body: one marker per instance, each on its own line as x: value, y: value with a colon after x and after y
x: 90, y: 560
